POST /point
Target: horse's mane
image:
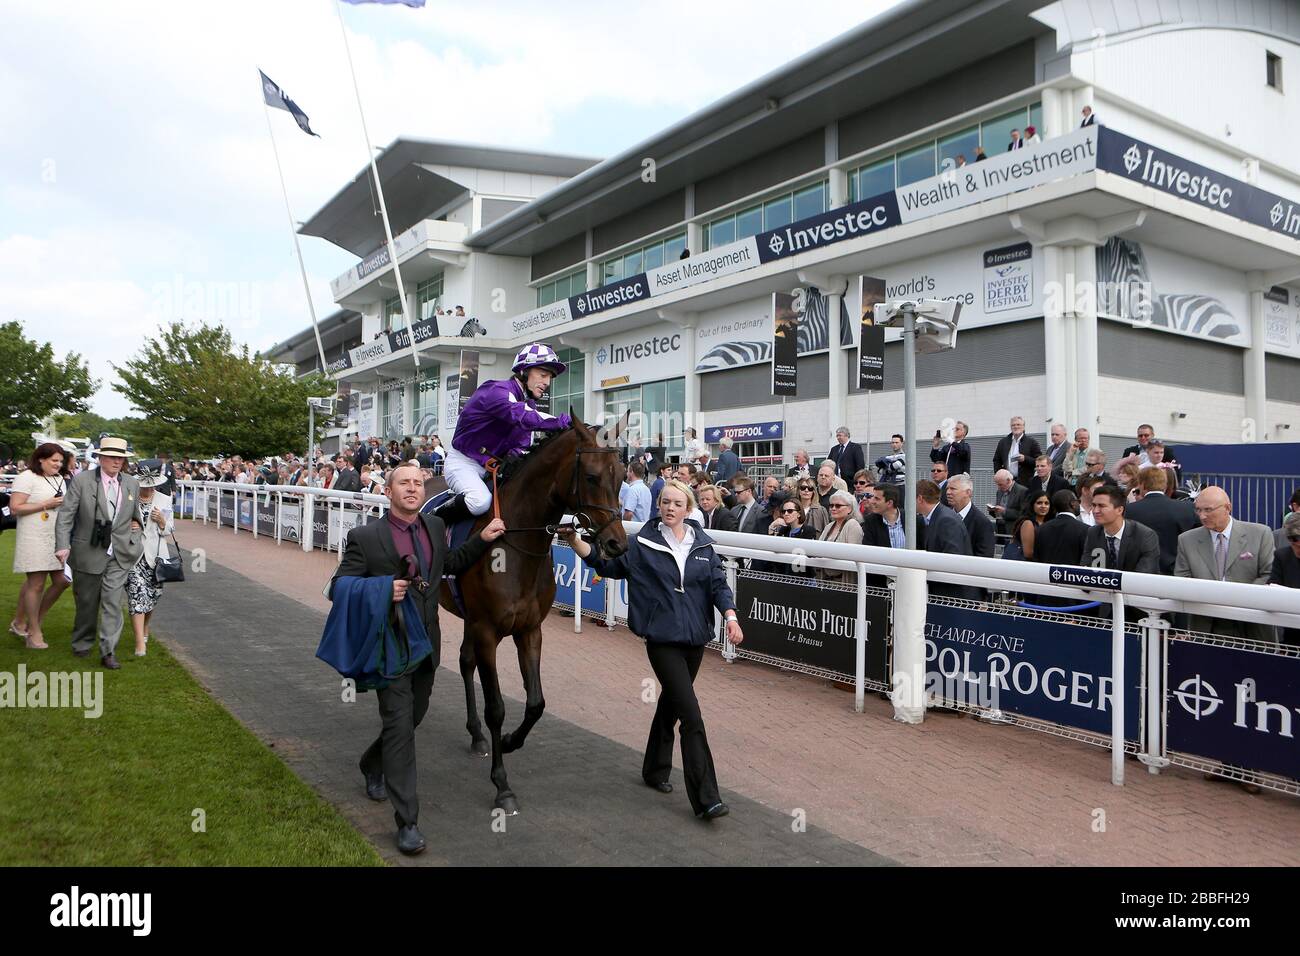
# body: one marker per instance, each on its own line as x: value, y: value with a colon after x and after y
x: 515, y: 465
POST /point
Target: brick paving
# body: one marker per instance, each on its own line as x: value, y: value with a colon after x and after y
x: 949, y: 791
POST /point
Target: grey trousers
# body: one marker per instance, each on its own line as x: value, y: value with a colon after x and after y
x: 402, y: 705
x: 99, y: 600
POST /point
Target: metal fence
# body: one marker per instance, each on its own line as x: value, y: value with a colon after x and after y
x: 1259, y: 498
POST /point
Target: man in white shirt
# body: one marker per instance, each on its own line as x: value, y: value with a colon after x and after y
x: 1089, y: 118
x: 636, y: 503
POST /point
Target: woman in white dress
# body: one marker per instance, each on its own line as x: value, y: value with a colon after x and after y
x: 142, y: 586
x: 37, y: 492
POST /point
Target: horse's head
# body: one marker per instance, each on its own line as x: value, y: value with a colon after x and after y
x: 598, y: 473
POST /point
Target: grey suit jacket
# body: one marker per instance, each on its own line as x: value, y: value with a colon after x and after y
x: 82, y: 506
x: 1250, y: 561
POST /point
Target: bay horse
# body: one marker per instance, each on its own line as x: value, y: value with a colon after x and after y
x: 509, y: 591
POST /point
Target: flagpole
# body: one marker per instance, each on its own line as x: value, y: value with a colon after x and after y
x: 379, y: 189
x: 297, y: 246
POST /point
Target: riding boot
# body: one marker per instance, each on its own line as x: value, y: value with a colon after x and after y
x: 453, y: 510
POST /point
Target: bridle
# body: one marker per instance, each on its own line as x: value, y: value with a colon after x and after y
x: 581, y: 520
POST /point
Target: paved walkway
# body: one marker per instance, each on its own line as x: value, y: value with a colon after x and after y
x: 949, y: 791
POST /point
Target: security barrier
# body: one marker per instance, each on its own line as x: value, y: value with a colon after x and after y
x: 1137, y: 686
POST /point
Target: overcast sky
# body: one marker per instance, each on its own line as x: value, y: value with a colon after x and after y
x: 137, y: 182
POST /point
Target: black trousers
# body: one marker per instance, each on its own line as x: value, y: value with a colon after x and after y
x: 675, y: 666
x: 402, y: 705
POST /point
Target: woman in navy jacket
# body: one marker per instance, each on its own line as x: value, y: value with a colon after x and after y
x: 677, y: 581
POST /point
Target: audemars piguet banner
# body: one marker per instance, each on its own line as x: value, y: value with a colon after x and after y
x: 468, y: 378
x: 785, y: 344
x: 811, y: 625
x: 871, y: 337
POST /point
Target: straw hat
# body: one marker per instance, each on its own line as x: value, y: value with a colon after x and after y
x: 111, y: 448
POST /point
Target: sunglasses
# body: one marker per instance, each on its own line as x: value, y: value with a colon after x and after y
x: 862, y: 484
x: 838, y: 504
x: 789, y: 511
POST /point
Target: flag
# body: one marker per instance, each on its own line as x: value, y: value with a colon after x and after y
x: 274, y: 96
x: 409, y: 3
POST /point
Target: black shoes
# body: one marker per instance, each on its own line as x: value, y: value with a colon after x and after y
x: 110, y: 662
x: 375, y: 788
x: 453, y: 511
x: 80, y: 653
x: 664, y: 787
x: 410, y: 840
x: 715, y: 811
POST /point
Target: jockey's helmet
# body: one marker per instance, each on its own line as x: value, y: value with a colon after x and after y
x: 538, y: 355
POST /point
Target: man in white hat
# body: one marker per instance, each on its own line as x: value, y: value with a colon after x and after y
x: 98, y: 534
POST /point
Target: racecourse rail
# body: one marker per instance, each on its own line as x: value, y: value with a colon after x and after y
x: 1225, y: 705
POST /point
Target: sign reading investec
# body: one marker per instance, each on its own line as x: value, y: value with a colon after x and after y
x: 371, y: 351
x: 631, y: 289
x: 1025, y: 168
x: 1141, y: 162
x: 423, y: 332
x: 847, y: 222
x: 373, y: 262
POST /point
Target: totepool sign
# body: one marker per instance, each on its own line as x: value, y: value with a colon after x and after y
x: 757, y: 431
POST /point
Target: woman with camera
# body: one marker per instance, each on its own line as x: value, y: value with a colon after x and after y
x: 37, y: 492
x: 142, y: 586
x: 676, y: 581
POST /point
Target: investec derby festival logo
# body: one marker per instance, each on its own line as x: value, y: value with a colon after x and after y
x: 1275, y: 214
x: 1132, y: 158
x: 1198, y: 697
x: 776, y: 244
x: 602, y: 355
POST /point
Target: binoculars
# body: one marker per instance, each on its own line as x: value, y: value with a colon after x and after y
x: 101, y: 536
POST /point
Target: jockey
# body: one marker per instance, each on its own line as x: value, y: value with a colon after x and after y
x: 499, y: 420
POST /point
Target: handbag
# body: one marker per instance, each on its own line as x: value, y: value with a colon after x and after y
x: 169, y: 570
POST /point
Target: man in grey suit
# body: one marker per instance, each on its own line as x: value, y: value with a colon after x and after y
x: 749, y: 514
x: 1225, y: 549
x: 98, y: 535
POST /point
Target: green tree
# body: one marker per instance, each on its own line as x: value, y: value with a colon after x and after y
x: 201, y: 395
x: 91, y: 425
x: 33, y: 383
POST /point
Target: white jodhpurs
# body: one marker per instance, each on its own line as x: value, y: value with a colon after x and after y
x: 465, y: 477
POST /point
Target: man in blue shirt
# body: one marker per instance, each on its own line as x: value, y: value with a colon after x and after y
x: 656, y: 486
x: 728, y: 463
x: 636, y: 503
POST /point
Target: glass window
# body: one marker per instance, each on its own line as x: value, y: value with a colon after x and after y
x: 654, y: 256
x: 673, y: 248
x: 612, y: 272
x: 632, y: 263
x: 778, y: 212
x: 427, y: 295
x: 426, y: 399
x: 676, y: 423
x: 876, y: 179
x: 567, y: 391
x: 393, y: 320
x: 810, y: 201
x: 722, y: 232
x: 916, y: 164
x: 749, y: 222
x: 958, y: 144
x: 578, y: 282
x: 654, y: 412
x: 1036, y: 117
x: 545, y: 294
x: 995, y: 134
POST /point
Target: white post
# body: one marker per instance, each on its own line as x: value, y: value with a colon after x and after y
x: 729, y: 649
x: 1156, y: 628
x: 1085, y: 323
x: 908, y: 692
x: 578, y: 578
x: 379, y: 189
x: 308, y: 535
x: 297, y: 247
x: 837, y: 382
x: 279, y: 507
x: 1254, y: 364
x: 611, y: 590
x: 860, y: 664
x: 1117, y: 691
x: 234, y: 511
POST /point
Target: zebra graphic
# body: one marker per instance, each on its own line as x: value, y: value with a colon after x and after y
x: 814, y: 332
x: 1125, y: 290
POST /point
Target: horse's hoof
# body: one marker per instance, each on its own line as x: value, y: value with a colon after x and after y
x: 480, y: 748
x: 508, y: 803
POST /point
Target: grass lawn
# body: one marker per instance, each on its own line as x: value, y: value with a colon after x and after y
x: 121, y: 789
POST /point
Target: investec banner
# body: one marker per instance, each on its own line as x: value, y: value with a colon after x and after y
x: 1050, y: 670
x: 1238, y: 706
x: 1141, y: 162
x: 811, y: 625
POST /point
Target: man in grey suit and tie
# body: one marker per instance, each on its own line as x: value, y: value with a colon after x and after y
x: 98, y: 534
x: 1225, y: 549
x: 749, y: 514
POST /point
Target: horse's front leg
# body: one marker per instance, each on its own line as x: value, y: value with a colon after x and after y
x: 478, y: 743
x: 494, y: 710
x: 529, y: 646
